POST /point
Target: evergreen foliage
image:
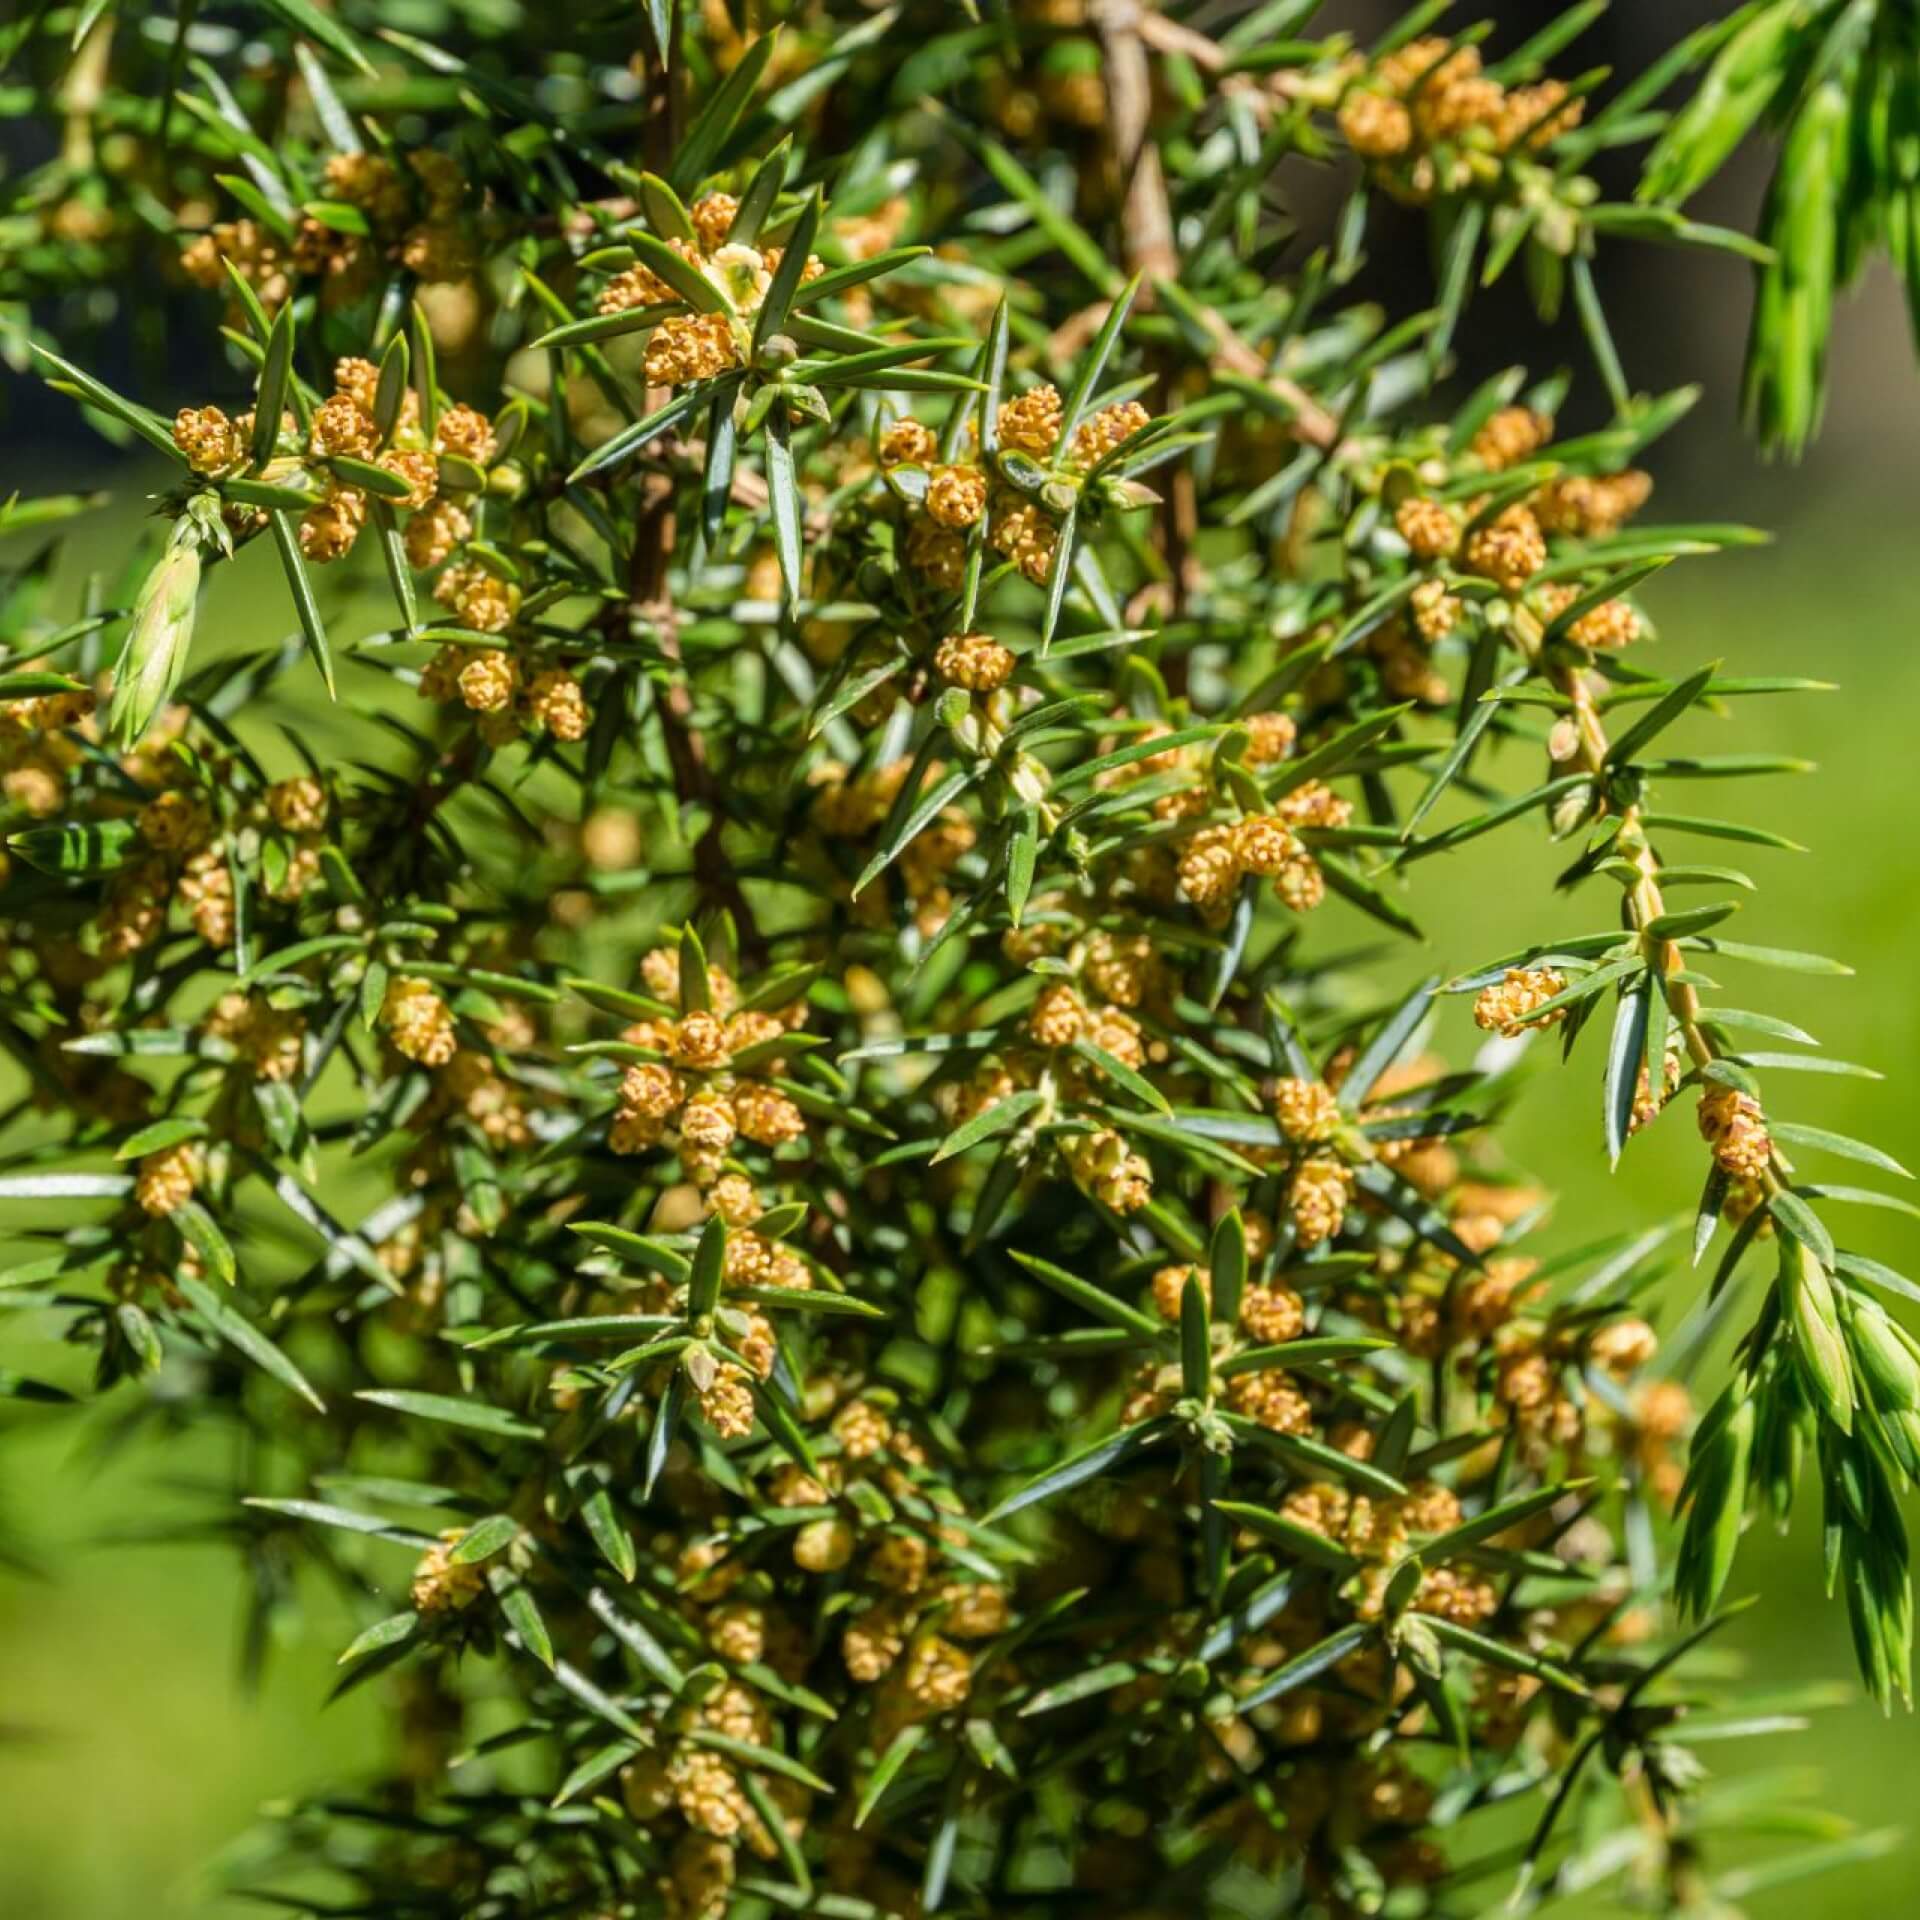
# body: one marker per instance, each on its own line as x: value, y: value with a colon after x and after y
x: 725, y: 1070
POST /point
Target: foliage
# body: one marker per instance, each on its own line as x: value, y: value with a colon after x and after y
x: 1840, y: 82
x: 756, y: 1135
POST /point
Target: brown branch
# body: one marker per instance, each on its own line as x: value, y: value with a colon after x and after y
x: 649, y: 571
x: 1146, y: 214
x: 1153, y: 252
x: 1128, y: 29
x: 1589, y: 751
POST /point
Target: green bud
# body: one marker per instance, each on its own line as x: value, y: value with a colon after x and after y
x: 1404, y: 1584
x: 1785, y: 1432
x: 1889, y: 1375
x: 459, y: 474
x: 1820, y: 1345
x: 1021, y: 470
x: 1196, y: 1358
x: 391, y: 392
x: 1625, y: 789
x: 750, y: 417
x: 155, y: 654
x: 1886, y: 1361
x: 910, y: 482
x: 1418, y: 1642
x: 1716, y: 1501
x: 1903, y: 1440
x: 508, y: 426
x: 806, y: 403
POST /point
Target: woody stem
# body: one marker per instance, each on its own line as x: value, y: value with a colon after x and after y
x: 1645, y: 903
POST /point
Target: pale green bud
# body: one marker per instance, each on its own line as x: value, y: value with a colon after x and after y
x: 157, y: 642
x: 1819, y: 1343
x: 1889, y: 1373
x: 1029, y: 779
x: 1716, y: 1499
x: 1572, y: 808
x: 1885, y: 1357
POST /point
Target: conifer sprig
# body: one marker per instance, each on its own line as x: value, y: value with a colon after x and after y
x: 1834, y: 86
x: 741, y: 1097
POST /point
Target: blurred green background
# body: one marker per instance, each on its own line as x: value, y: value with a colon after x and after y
x: 129, y: 1756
